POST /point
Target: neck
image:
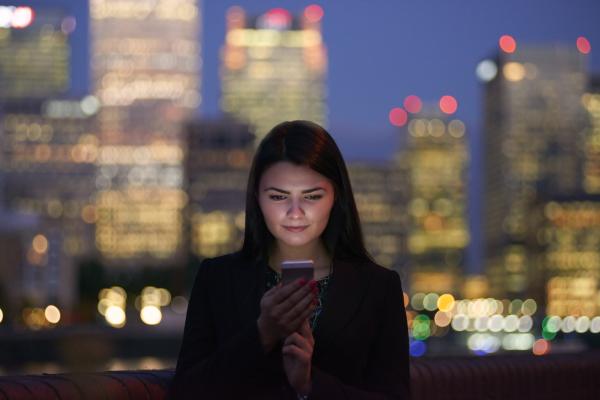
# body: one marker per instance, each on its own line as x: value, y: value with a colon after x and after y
x: 316, y: 252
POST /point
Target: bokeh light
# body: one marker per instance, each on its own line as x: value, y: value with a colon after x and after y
x: 313, y: 13
x: 40, y: 244
x: 486, y: 70
x: 430, y: 301
x: 417, y: 348
x: 421, y: 327
x: 514, y: 71
x: 448, y: 104
x: 115, y: 316
x: 541, y: 347
x: 483, y: 342
x: 179, y: 304
x: 1, y: 315
x: 417, y: 301
x: 460, y: 322
x: 68, y: 25
x: 151, y: 315
x: 22, y: 17
x: 52, y: 314
x: 583, y: 45
x: 398, y: 116
x: 442, y: 319
x: 413, y: 104
x: 518, y: 341
x: 445, y: 302
x: 508, y: 44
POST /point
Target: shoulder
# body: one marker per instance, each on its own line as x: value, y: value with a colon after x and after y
x: 375, y: 270
x: 226, y: 259
x: 380, y: 277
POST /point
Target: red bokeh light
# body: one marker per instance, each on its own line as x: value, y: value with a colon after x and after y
x: 507, y: 44
x: 279, y: 16
x: 448, y: 104
x: 583, y: 45
x: 398, y: 116
x: 412, y: 104
x: 313, y: 13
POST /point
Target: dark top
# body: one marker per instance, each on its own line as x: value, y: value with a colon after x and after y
x: 361, y: 339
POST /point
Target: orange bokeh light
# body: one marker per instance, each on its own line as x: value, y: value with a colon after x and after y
x: 583, y: 45
x: 398, y: 116
x: 313, y: 13
x: 448, y: 104
x: 507, y: 44
x: 413, y: 104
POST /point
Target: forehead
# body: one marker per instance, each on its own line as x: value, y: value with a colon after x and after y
x: 286, y: 174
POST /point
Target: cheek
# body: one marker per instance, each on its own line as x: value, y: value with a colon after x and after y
x: 322, y: 212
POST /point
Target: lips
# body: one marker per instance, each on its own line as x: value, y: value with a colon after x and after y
x: 296, y: 228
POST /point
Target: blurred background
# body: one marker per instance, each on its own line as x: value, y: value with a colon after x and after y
x: 471, y: 131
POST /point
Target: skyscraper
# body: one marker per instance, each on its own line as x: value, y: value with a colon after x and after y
x: 145, y: 68
x: 534, y: 124
x: 48, y: 154
x: 568, y: 234
x: 591, y: 164
x: 438, y: 235
x: 218, y: 158
x: 380, y: 192
x: 34, y: 52
x: 273, y: 68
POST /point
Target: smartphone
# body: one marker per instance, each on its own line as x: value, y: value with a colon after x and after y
x: 292, y: 270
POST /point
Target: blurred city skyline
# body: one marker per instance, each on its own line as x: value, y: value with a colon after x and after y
x: 426, y: 49
x: 472, y: 141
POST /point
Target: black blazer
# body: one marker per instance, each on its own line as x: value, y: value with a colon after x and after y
x: 361, y: 339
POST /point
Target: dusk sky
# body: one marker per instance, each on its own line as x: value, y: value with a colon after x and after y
x: 382, y: 51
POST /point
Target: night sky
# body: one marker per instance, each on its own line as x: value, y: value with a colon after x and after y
x: 382, y: 51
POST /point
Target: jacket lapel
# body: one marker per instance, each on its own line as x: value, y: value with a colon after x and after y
x: 344, y: 296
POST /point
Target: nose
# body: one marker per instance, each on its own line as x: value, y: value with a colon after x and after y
x: 295, y: 211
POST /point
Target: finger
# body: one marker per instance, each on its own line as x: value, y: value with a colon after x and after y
x: 296, y: 352
x: 289, y: 289
x: 297, y: 339
x: 293, y: 299
x: 270, y: 292
x: 306, y: 332
x: 299, y: 308
x: 295, y: 324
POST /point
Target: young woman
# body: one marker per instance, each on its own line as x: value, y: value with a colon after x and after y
x: 342, y: 335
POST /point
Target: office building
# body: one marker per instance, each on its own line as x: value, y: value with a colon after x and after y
x: 217, y: 162
x: 438, y: 235
x: 273, y: 68
x: 534, y: 129
x: 34, y: 52
x: 145, y: 69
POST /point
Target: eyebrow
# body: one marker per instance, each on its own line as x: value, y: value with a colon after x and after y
x: 286, y: 192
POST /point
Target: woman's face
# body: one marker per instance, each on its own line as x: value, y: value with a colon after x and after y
x: 296, y: 202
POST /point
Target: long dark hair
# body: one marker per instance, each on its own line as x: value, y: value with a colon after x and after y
x: 308, y: 144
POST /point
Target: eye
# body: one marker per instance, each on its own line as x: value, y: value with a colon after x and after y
x: 314, y: 197
x: 276, y: 197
